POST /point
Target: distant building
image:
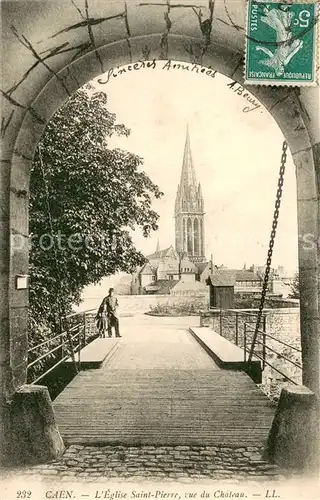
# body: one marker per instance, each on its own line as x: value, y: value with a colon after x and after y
x: 280, y: 281
x: 189, y: 211
x: 185, y: 267
x: 247, y: 281
x: 222, y: 285
x: 186, y: 263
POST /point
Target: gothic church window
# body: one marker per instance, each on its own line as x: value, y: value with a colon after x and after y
x: 196, y: 237
x: 189, y: 229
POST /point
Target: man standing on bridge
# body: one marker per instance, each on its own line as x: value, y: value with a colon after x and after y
x: 107, y: 315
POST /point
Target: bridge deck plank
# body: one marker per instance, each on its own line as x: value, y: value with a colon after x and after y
x: 178, y: 397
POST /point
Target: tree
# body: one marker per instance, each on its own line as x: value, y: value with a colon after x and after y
x: 84, y: 199
x: 295, y: 287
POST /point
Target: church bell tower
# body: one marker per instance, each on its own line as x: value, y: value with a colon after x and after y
x: 189, y: 211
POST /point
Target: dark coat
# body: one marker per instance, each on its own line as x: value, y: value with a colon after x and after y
x: 106, y: 312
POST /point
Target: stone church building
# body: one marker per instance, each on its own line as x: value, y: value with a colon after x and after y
x: 183, y: 267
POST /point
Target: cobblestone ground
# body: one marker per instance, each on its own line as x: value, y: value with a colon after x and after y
x: 165, y: 463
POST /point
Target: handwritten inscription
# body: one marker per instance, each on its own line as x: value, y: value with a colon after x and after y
x: 170, y: 65
x: 192, y: 68
x: 239, y: 90
x: 115, y: 72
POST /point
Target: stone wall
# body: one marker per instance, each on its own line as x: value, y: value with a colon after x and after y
x: 252, y: 301
x: 282, y: 324
x: 140, y: 304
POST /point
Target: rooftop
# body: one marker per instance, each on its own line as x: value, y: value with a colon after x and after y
x: 223, y: 277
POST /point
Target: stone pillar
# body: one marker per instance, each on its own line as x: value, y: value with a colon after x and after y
x: 5, y: 368
x: 293, y: 441
x: 35, y: 437
x: 307, y: 165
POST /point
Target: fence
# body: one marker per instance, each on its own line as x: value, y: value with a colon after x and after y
x: 280, y: 359
x: 75, y: 333
x: 262, y: 341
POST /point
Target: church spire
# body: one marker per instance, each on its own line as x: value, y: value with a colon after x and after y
x: 188, y: 175
x: 189, y: 210
x: 189, y: 194
x: 158, y: 246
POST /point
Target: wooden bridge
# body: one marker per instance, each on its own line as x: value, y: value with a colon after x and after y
x: 158, y: 385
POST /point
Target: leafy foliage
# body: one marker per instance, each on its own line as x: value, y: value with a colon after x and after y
x: 295, y: 287
x: 174, y: 310
x: 94, y: 196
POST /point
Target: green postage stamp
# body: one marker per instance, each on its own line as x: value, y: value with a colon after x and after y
x: 281, y: 43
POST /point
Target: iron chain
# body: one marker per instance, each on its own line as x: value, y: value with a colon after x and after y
x: 271, y: 244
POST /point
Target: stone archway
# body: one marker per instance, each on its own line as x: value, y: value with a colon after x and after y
x: 282, y: 104
x: 28, y: 110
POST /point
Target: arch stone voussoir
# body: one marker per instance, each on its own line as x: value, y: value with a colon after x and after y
x: 306, y: 175
x: 293, y: 121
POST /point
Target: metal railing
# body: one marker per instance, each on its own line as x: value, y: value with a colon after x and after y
x: 56, y: 350
x: 238, y: 327
x: 232, y: 321
x: 265, y: 348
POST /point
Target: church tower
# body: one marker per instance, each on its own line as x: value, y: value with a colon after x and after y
x: 189, y: 211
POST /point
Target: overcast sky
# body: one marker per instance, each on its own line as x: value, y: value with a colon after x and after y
x: 236, y: 156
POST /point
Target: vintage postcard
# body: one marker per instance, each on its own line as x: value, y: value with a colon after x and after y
x: 160, y: 250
